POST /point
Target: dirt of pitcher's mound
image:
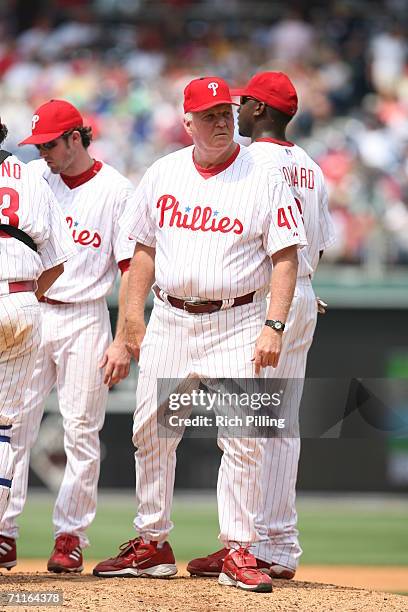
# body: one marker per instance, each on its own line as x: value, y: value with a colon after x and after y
x: 181, y: 593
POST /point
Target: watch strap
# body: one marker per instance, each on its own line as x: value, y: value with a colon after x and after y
x: 275, y: 324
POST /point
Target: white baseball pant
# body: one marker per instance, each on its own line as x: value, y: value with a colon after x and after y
x: 20, y: 334
x: 180, y: 345
x: 74, y: 339
x: 280, y: 545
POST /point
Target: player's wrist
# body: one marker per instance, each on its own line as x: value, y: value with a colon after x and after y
x: 275, y: 324
x: 134, y: 316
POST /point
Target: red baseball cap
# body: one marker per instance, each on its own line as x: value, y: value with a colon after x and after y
x: 51, y: 120
x: 274, y: 89
x: 204, y: 93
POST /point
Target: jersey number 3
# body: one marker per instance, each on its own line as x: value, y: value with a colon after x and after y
x: 9, y: 204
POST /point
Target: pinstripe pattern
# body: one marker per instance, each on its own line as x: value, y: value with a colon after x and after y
x: 209, y: 264
x: 75, y: 337
x: 25, y: 202
x: 306, y: 181
x: 39, y: 216
x: 179, y: 345
x: 20, y: 330
x: 280, y: 463
x: 280, y: 540
x: 73, y: 341
x: 92, y: 211
x: 196, y: 258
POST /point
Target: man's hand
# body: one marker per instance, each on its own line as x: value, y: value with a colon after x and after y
x: 116, y: 362
x: 321, y: 306
x: 267, y: 349
x: 135, y: 332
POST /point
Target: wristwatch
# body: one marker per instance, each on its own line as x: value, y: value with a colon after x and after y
x: 276, y: 325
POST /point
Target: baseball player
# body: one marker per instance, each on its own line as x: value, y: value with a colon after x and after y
x: 34, y: 244
x: 268, y: 103
x: 206, y: 223
x: 76, y: 352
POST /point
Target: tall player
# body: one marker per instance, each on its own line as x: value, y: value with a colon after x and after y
x: 76, y: 352
x: 206, y: 223
x: 268, y: 103
x: 34, y: 244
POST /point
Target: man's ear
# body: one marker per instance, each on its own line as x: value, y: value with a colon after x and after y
x: 260, y: 108
x: 187, y: 125
x: 76, y: 136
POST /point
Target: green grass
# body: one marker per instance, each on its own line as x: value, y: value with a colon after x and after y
x: 354, y: 538
x: 346, y: 534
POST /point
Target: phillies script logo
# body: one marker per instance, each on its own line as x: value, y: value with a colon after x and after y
x: 202, y: 219
x: 84, y: 237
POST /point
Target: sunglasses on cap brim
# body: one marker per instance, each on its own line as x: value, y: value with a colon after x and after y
x: 244, y: 99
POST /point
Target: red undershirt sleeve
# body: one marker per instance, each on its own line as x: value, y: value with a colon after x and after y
x: 124, y: 265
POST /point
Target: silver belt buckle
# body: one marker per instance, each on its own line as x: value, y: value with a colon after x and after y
x: 194, y: 302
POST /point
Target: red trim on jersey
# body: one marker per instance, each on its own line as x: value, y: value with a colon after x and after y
x: 84, y: 177
x: 283, y: 143
x: 209, y: 172
x: 124, y: 265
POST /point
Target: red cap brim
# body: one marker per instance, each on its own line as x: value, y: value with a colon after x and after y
x: 208, y: 105
x: 41, y: 138
x: 238, y: 92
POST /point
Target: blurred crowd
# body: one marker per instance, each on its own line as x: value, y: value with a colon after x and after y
x: 347, y: 60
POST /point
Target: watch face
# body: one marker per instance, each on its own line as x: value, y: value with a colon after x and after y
x: 278, y: 325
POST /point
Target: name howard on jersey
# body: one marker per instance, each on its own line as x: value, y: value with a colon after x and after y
x: 299, y: 177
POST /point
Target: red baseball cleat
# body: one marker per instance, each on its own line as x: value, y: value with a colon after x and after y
x: 211, y: 565
x: 66, y: 556
x: 8, y: 552
x: 139, y: 559
x: 239, y: 569
x: 282, y: 572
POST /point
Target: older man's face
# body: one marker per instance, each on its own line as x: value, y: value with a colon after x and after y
x: 212, y: 128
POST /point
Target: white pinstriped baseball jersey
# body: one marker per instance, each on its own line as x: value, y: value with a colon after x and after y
x: 91, y: 210
x: 280, y: 543
x: 214, y: 237
x: 306, y: 181
x: 27, y: 202
x: 73, y: 342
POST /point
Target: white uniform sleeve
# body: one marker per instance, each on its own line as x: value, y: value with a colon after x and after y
x: 138, y: 218
x: 37, y: 167
x: 327, y: 234
x: 283, y: 225
x: 123, y: 243
x: 56, y: 245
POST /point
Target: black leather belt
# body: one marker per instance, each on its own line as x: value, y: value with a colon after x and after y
x: 197, y: 306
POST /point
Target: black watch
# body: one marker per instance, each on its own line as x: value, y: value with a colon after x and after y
x: 276, y: 325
